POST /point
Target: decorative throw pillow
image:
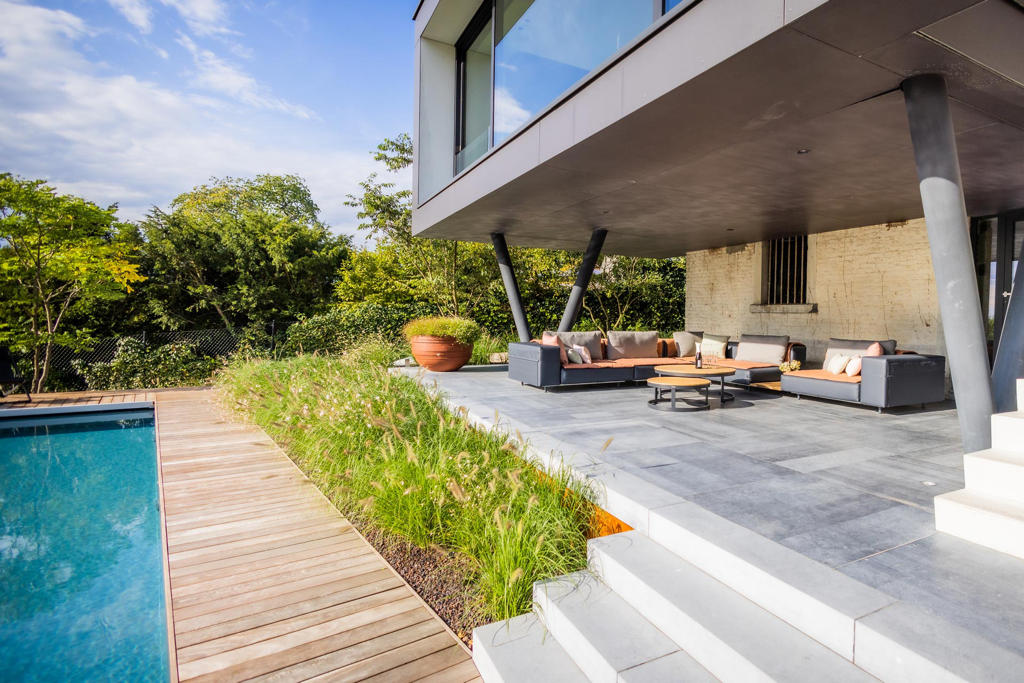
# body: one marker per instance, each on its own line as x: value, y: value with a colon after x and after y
x: 552, y: 340
x: 574, y: 356
x: 583, y: 352
x: 591, y: 340
x: 714, y: 345
x: 632, y: 345
x: 686, y: 343
x: 837, y: 364
x: 853, y: 367
x: 875, y: 350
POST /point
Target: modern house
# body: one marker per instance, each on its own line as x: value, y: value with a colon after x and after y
x: 829, y: 168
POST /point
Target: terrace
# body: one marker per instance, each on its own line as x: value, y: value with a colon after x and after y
x: 817, y: 501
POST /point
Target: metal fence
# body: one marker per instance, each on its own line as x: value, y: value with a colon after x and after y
x: 218, y: 343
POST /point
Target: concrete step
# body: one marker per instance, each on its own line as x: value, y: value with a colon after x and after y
x: 597, y: 628
x: 982, y: 518
x: 727, y: 634
x: 1008, y: 431
x: 996, y: 472
x: 521, y: 650
x: 814, y: 598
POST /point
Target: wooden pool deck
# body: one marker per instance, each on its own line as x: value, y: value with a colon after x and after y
x: 268, y: 581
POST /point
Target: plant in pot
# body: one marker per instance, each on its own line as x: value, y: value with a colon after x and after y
x: 442, y: 344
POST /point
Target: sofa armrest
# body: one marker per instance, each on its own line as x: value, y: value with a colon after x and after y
x: 901, y: 380
x: 534, y: 364
x: 796, y: 351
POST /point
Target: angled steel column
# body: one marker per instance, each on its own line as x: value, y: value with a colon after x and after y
x: 508, y: 276
x: 593, y: 252
x: 1009, y: 365
x: 938, y: 170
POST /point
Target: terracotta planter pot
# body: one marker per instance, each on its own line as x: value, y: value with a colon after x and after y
x: 440, y: 354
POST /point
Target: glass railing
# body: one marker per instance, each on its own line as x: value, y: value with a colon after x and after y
x: 473, y: 151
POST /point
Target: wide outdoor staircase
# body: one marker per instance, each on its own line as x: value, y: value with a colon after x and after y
x: 990, y: 509
x: 690, y: 596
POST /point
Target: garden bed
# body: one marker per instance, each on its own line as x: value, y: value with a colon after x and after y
x: 454, y: 509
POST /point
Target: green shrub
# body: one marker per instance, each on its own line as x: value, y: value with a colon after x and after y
x: 463, y: 330
x: 137, y: 366
x: 342, y: 328
x: 393, y: 457
x: 485, y: 346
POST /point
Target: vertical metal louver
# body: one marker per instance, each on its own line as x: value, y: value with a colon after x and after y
x: 787, y: 270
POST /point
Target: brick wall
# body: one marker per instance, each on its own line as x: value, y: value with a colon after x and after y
x: 874, y: 282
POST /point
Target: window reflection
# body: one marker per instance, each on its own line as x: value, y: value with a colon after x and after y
x: 475, y: 72
x: 545, y: 46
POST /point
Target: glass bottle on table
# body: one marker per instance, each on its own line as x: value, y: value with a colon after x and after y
x: 699, y: 360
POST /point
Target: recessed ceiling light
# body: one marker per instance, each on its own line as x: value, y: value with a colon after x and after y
x: 928, y: 483
x: 803, y: 151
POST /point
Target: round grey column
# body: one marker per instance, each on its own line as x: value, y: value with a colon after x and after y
x: 938, y: 170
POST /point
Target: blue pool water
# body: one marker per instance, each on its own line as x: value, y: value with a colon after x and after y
x: 81, y: 565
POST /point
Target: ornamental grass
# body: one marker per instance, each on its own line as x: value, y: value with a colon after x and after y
x: 389, y: 454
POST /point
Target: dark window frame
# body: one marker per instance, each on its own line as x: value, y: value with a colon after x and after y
x: 472, y: 31
x: 1004, y: 235
x: 784, y: 270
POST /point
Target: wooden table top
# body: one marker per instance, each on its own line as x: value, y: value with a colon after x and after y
x: 678, y: 382
x: 692, y: 371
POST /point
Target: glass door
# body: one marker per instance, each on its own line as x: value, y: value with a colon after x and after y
x: 997, y: 244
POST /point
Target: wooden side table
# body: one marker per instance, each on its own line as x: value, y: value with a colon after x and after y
x: 671, y: 384
x: 708, y: 371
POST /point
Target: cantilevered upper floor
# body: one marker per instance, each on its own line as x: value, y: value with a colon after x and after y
x: 695, y: 124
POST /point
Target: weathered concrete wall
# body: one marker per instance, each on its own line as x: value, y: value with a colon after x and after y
x: 874, y: 282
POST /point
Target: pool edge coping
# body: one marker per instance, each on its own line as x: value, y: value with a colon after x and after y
x: 11, y: 413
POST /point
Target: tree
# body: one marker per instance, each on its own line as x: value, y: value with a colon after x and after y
x: 56, y: 250
x: 453, y: 276
x: 241, y: 251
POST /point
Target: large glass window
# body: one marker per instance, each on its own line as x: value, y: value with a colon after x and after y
x: 546, y: 46
x: 473, y: 54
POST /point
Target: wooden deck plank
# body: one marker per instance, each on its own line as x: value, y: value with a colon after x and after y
x: 267, y: 578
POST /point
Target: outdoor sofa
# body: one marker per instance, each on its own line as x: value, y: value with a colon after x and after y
x: 896, y: 378
x: 632, y: 357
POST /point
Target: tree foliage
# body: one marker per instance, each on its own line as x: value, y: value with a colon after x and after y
x: 237, y: 252
x: 57, y: 250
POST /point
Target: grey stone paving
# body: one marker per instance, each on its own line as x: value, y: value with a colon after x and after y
x: 836, y: 482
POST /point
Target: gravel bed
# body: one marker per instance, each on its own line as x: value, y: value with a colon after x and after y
x: 442, y: 578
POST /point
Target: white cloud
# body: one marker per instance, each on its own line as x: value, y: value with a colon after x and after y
x: 217, y: 75
x: 509, y: 114
x: 204, y: 17
x: 116, y: 138
x: 137, y: 12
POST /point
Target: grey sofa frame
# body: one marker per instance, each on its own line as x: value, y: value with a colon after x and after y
x: 887, y: 382
x: 540, y: 366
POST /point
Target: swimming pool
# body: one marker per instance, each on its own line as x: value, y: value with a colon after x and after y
x: 81, y: 561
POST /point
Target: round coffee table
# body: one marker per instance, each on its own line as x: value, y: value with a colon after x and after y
x: 708, y: 371
x: 671, y: 384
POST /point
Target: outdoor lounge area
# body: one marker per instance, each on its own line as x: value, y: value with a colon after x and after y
x: 829, y: 499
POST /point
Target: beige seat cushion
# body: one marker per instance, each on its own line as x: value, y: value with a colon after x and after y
x: 762, y: 348
x: 632, y: 345
x: 686, y: 343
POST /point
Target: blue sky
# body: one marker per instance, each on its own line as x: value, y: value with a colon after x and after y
x: 135, y: 101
